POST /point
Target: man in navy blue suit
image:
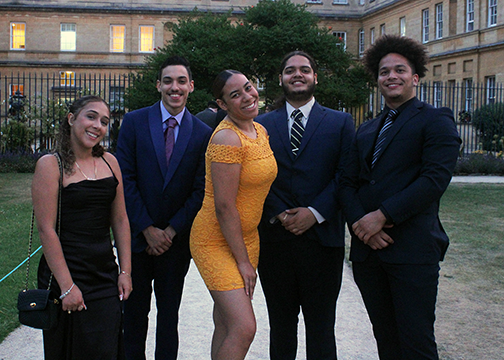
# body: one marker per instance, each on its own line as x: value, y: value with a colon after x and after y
x: 390, y: 188
x: 161, y: 151
x: 302, y: 229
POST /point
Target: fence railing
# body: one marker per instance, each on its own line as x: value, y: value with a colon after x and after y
x: 32, y: 105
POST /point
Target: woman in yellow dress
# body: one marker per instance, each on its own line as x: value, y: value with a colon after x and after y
x: 240, y: 168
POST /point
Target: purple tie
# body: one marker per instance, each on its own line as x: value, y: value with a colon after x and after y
x: 169, y: 137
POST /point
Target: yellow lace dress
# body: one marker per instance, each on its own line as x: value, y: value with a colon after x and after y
x: 209, y: 248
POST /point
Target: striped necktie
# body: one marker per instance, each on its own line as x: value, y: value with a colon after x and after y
x: 389, y: 121
x: 297, y: 131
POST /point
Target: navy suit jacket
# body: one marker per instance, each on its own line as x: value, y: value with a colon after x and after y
x: 406, y: 183
x: 156, y: 194
x: 310, y: 178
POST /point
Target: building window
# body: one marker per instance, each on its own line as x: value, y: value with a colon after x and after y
x: 361, y: 42
x: 314, y: 1
x: 17, y: 36
x: 362, y: 2
x: 116, y: 99
x: 382, y: 29
x: 402, y: 26
x: 67, y: 78
x: 339, y: 1
x: 425, y: 25
x: 68, y: 37
x: 341, y: 38
x: 439, y: 21
x: 470, y: 15
x: 117, y: 33
x: 146, y: 38
x: 490, y: 89
x: 438, y: 94
x: 468, y: 94
x: 423, y: 92
x: 371, y: 36
x: 492, y: 12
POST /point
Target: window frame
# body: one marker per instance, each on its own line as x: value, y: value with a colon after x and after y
x: 114, y: 39
x: 74, y: 40
x: 470, y: 15
x: 492, y: 13
x: 343, y: 38
x: 361, y: 42
x: 402, y: 26
x: 490, y: 89
x: 18, y: 40
x: 439, y: 20
x: 140, y: 38
x: 425, y: 26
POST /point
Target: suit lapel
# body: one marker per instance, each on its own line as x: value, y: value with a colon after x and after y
x: 282, y: 127
x: 315, y: 118
x: 184, y: 135
x: 157, y: 136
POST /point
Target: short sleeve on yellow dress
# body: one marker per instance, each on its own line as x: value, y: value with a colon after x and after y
x: 209, y: 248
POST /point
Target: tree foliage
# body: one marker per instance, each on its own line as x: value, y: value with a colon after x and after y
x: 255, y: 45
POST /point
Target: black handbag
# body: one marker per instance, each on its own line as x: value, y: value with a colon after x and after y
x: 37, y: 308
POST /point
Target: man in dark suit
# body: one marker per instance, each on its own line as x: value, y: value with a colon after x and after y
x: 209, y: 115
x: 161, y: 152
x: 390, y: 188
x: 302, y: 229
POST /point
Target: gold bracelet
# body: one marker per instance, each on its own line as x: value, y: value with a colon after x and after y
x: 125, y: 273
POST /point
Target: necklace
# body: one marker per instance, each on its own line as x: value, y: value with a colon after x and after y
x: 82, y: 172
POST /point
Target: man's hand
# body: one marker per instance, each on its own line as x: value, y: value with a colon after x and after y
x: 157, y: 240
x: 369, y: 225
x: 379, y: 241
x: 297, y: 220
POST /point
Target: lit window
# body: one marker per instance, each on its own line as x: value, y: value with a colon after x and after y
x: 68, y: 37
x: 117, y: 38
x: 146, y: 38
x: 439, y: 21
x: 492, y: 12
x: 361, y: 42
x: 18, y: 36
x: 470, y: 15
x: 402, y: 26
x: 341, y: 38
x: 16, y: 89
x: 67, y: 78
x: 425, y: 25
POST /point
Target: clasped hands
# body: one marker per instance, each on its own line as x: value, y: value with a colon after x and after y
x: 297, y: 220
x: 369, y: 229
x: 158, y: 240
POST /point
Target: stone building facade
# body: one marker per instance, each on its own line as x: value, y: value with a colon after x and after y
x: 465, y: 38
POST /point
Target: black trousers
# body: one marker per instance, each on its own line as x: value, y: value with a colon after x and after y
x: 401, y: 303
x: 167, y: 272
x: 296, y: 275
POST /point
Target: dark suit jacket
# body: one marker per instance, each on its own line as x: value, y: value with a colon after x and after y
x: 406, y: 183
x: 311, y: 178
x: 156, y: 194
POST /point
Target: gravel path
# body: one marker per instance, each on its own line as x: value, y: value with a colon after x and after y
x: 353, y: 329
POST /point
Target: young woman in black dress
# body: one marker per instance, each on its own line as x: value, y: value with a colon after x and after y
x: 86, y: 276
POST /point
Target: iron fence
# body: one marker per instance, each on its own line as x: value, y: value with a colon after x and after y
x: 32, y: 106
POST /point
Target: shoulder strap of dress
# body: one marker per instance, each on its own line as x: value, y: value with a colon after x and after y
x: 106, y: 162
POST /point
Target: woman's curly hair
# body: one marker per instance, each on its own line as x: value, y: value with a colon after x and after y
x: 64, y: 145
x: 412, y: 50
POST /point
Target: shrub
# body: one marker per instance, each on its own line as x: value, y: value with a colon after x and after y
x: 478, y: 164
x: 489, y: 121
x: 18, y: 162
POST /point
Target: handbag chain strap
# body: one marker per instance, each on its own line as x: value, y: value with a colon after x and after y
x: 58, y: 230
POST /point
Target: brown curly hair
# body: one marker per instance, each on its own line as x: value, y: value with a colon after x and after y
x: 412, y: 50
x: 64, y: 145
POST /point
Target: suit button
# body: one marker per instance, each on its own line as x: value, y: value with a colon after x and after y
x: 372, y: 182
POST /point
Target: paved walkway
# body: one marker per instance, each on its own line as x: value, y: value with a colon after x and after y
x: 353, y: 329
